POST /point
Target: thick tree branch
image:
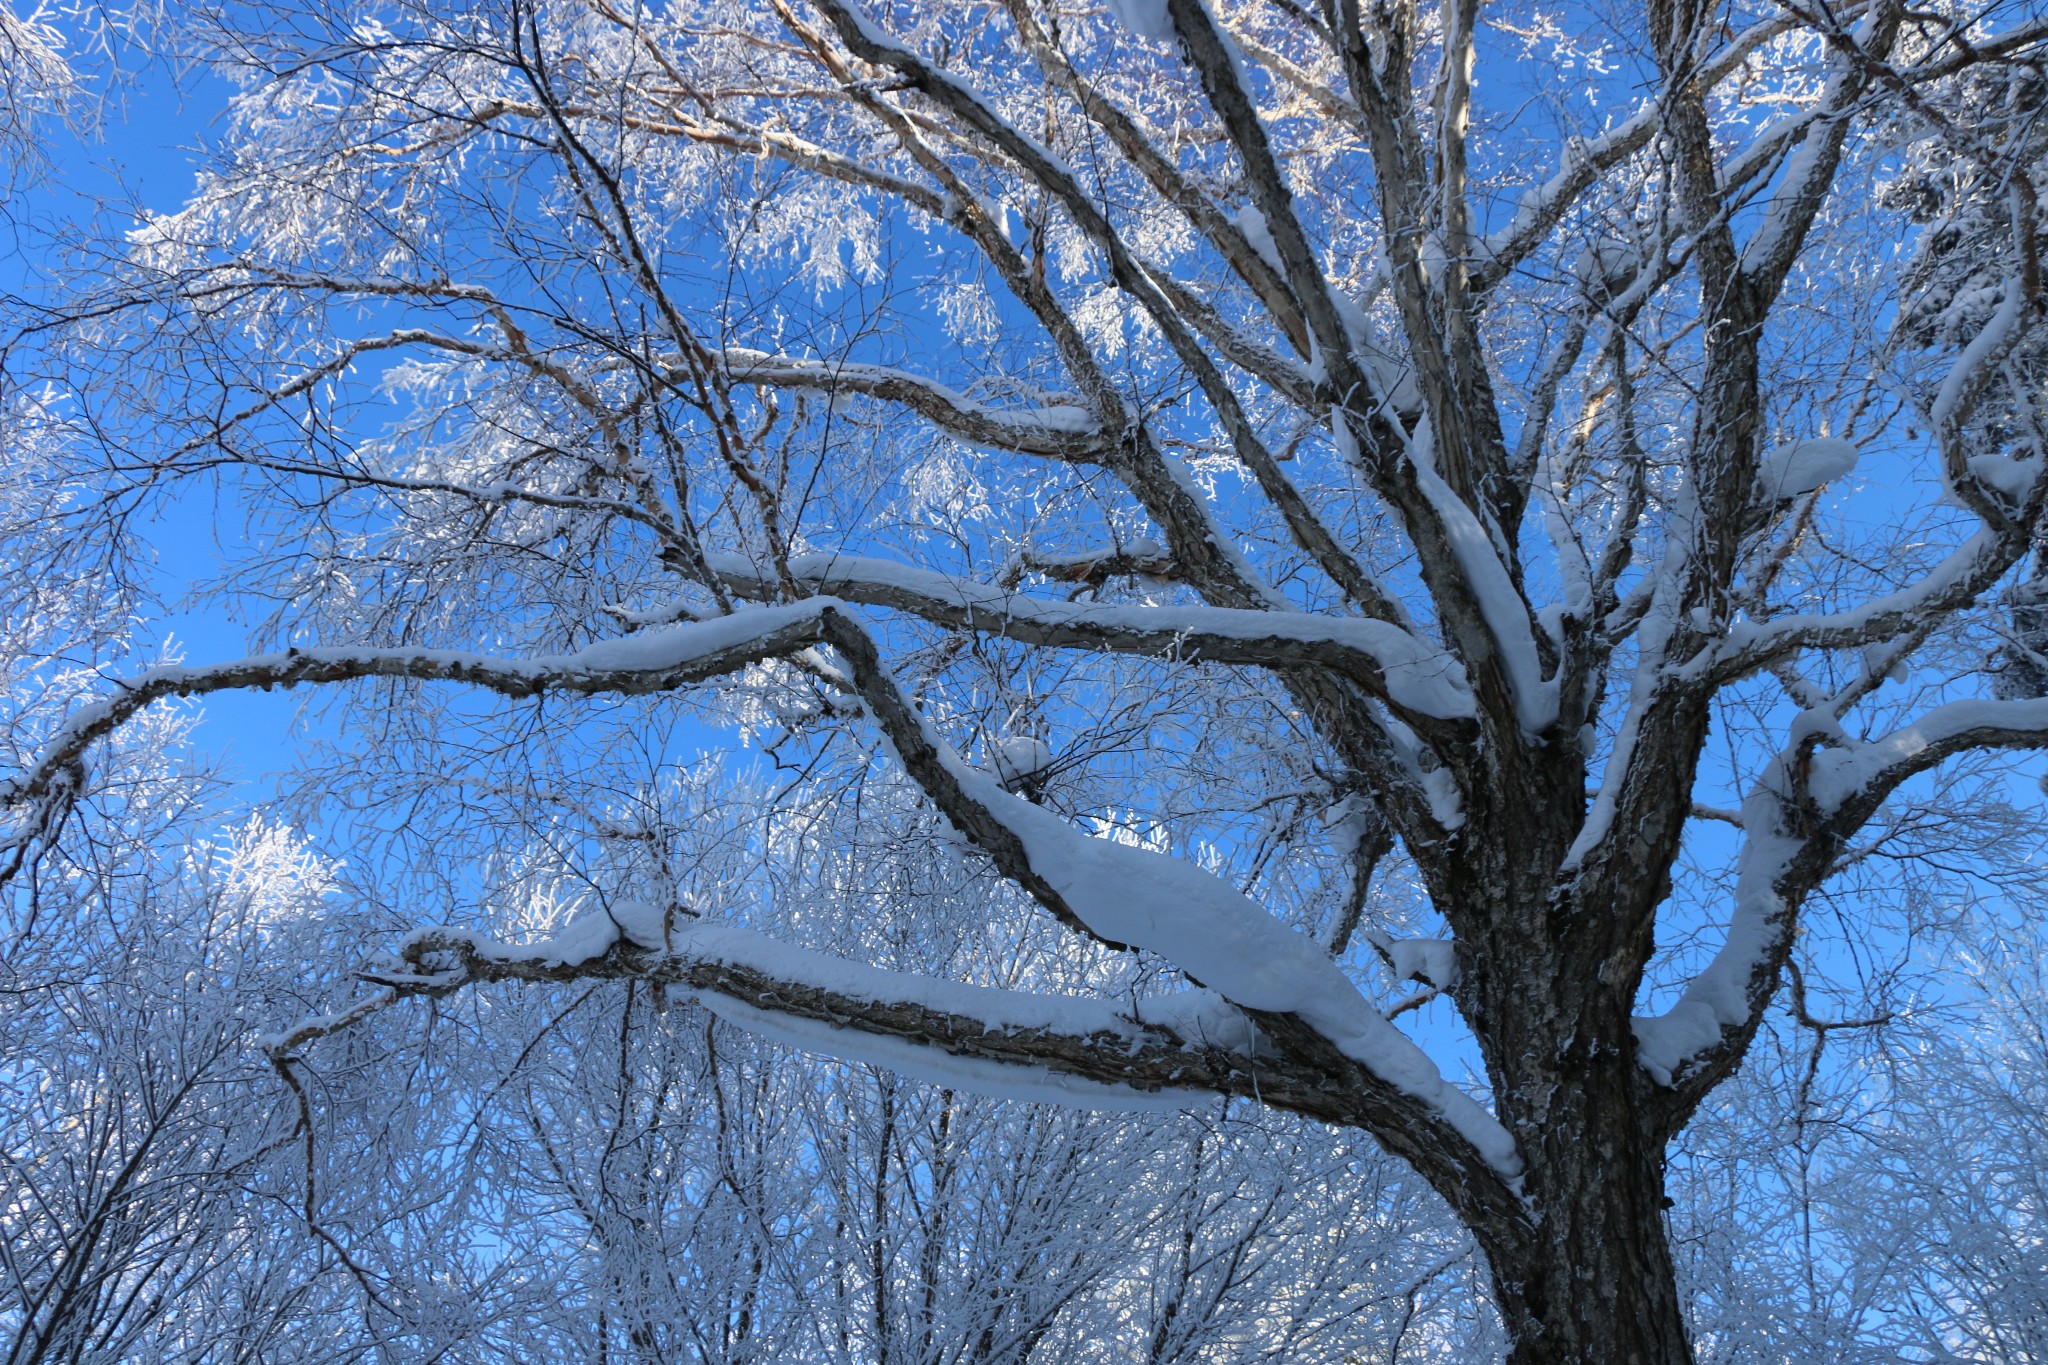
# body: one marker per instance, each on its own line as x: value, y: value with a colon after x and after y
x: 1421, y: 682
x: 1197, y: 922
x: 1799, y: 816
x: 1151, y: 1052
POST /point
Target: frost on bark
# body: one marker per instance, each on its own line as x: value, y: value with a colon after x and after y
x: 1074, y: 388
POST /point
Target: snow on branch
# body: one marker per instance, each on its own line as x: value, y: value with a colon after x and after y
x: 1809, y: 172
x: 1854, y: 775
x: 1500, y: 603
x: 1159, y: 1053
x: 1411, y: 674
x: 1474, y: 588
x: 1811, y: 798
x: 1970, y: 569
x: 1729, y: 993
x: 1197, y: 922
x: 1059, y: 431
x: 651, y: 661
x: 1092, y: 568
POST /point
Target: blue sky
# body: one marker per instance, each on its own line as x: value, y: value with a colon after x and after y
x: 143, y: 157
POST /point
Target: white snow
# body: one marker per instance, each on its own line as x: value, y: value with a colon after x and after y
x: 1763, y: 637
x: 1016, y: 758
x: 1574, y: 159
x: 1433, y: 960
x: 1502, y: 608
x: 1981, y: 348
x: 650, y: 652
x: 1206, y: 928
x: 1000, y: 1080
x: 1142, y: 547
x: 1879, y: 663
x: 1841, y: 771
x: 847, y: 377
x: 1605, y: 259
x: 1803, y: 466
x: 580, y: 940
x: 1718, y: 997
x: 674, y: 646
x: 2013, y: 477
x: 1200, y: 1017
x: 1654, y: 636
x: 1419, y: 675
x: 1439, y: 784
x: 593, y: 933
x: 1347, y: 822
x: 1665, y: 1042
x: 1203, y: 1018
x: 1397, y: 386
x: 1252, y: 224
x: 1800, y: 169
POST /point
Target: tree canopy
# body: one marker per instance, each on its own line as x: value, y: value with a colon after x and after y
x: 1454, y: 588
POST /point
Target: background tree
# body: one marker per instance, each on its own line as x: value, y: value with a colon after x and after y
x: 1225, y: 428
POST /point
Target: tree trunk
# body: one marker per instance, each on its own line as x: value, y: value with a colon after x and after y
x: 1585, y: 1274
x: 1591, y: 1282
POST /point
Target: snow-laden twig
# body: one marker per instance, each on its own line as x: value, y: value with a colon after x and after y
x: 650, y: 661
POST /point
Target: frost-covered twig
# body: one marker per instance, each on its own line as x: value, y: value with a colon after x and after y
x: 651, y: 661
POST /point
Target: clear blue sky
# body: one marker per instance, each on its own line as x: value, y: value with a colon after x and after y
x: 143, y: 157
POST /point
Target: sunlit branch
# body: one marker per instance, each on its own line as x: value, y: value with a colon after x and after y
x: 655, y: 661
x: 1415, y: 677
x: 1061, y: 433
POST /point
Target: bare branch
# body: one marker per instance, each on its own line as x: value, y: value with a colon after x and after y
x: 1060, y: 433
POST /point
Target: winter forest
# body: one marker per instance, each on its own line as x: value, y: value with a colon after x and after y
x: 1023, y: 681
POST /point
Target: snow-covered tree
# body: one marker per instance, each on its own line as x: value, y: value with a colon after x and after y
x: 1375, y: 542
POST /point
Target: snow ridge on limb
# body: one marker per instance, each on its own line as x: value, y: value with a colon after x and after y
x: 1164, y: 1052
x: 1809, y: 801
x: 1132, y: 897
x: 1854, y: 774
x: 1411, y: 674
x: 1723, y: 995
x: 1500, y: 604
x: 1968, y: 571
x: 651, y: 661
